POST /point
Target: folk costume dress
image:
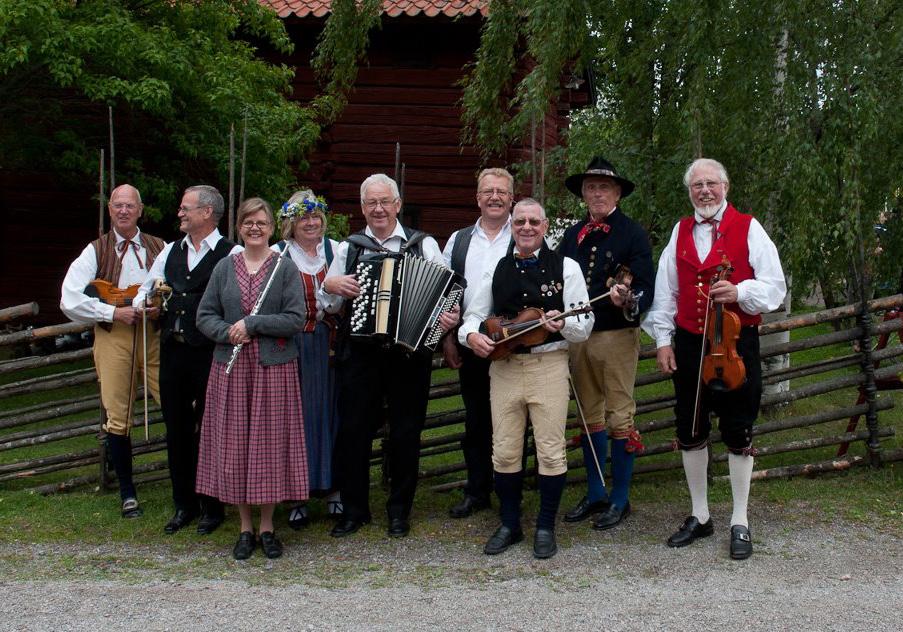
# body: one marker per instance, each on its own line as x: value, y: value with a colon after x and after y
x: 252, y: 437
x: 315, y: 369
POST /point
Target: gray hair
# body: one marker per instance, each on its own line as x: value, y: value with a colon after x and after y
x: 379, y: 178
x: 528, y: 201
x: 209, y: 196
x: 497, y: 172
x: 705, y: 162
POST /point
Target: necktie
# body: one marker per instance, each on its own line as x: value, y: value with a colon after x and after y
x: 714, y: 224
x: 124, y: 248
x: 591, y: 227
x: 526, y: 261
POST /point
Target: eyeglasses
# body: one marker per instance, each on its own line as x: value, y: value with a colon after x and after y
x: 122, y: 205
x: 494, y: 191
x: 185, y: 209
x: 522, y: 221
x: 707, y: 184
x: 371, y: 205
x: 249, y: 225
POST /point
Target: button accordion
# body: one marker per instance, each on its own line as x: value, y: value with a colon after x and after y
x: 401, y: 299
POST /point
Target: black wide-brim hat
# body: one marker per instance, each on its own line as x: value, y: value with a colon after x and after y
x: 598, y: 166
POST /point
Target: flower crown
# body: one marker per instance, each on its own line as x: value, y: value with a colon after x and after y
x: 307, y: 205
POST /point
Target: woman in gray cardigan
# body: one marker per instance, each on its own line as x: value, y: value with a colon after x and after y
x: 252, y: 436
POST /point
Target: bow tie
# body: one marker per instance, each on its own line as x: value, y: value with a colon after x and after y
x: 525, y: 261
x: 591, y: 227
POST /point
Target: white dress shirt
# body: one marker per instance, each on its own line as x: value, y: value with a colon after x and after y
x: 158, y: 270
x: 764, y: 293
x: 482, y: 255
x: 82, y: 308
x: 333, y: 302
x: 576, y: 328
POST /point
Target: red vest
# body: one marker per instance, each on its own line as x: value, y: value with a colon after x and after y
x: 732, y: 241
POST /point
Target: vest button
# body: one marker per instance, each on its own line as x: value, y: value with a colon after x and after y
x: 184, y: 294
x: 187, y: 276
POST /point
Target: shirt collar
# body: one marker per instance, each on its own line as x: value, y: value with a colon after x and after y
x: 716, y: 217
x: 478, y: 227
x: 120, y: 238
x: 398, y: 232
x: 211, y: 239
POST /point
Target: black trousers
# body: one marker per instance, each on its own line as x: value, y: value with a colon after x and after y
x: 184, y: 370
x: 477, y: 442
x: 371, y: 376
x: 736, y: 410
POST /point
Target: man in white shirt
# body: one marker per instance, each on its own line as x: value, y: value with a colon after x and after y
x: 533, y: 380
x: 185, y: 353
x: 369, y: 373
x: 694, y: 255
x: 472, y: 252
x: 121, y: 257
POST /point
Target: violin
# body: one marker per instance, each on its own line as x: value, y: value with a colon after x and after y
x: 722, y: 367
x: 110, y: 294
x: 526, y: 330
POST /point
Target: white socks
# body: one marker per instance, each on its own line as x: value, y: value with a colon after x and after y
x: 696, y: 463
x: 741, y: 468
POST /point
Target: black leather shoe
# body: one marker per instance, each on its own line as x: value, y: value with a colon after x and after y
x: 585, y: 509
x: 179, y: 520
x: 611, y: 517
x: 131, y: 508
x: 502, y: 539
x: 468, y: 506
x: 271, y: 546
x: 207, y: 524
x: 298, y: 517
x: 346, y: 526
x: 544, y: 545
x: 398, y: 527
x: 741, y: 542
x: 245, y: 546
x: 689, y: 531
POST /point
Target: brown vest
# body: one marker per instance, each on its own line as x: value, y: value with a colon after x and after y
x: 109, y: 262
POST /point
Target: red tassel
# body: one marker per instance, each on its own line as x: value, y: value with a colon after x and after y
x: 634, y: 443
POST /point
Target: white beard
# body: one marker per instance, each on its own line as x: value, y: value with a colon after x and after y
x: 707, y: 212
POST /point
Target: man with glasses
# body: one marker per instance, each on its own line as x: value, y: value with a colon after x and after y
x: 369, y: 373
x: 121, y: 257
x: 690, y: 260
x: 604, y: 367
x: 533, y: 380
x: 185, y: 353
x: 471, y: 252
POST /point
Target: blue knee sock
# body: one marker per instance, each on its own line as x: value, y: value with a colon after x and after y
x: 509, y: 489
x: 621, y: 472
x: 550, y: 490
x: 595, y: 486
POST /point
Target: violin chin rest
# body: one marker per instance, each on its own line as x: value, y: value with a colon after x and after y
x: 718, y: 386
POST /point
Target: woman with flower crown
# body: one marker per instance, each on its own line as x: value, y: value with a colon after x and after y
x: 303, y: 219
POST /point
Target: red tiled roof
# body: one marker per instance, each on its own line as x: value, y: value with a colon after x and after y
x: 393, y: 8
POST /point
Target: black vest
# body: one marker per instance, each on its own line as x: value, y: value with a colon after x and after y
x: 515, y: 288
x: 187, y: 289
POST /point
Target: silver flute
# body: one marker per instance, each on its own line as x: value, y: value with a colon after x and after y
x: 266, y: 288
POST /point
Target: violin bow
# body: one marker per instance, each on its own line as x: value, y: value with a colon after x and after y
x: 144, y: 372
x: 592, y: 448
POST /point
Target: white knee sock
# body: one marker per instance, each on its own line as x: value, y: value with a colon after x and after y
x: 696, y: 464
x: 741, y: 468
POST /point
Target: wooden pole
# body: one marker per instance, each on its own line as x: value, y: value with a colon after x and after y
x: 43, y: 332
x: 232, y: 182
x: 112, y: 152
x: 101, y: 198
x: 18, y: 311
x: 244, y: 156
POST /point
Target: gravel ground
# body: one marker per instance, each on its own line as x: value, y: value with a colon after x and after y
x: 805, y: 574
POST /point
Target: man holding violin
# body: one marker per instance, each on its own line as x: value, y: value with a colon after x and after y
x: 118, y: 260
x: 693, y: 294
x: 528, y: 291
x: 604, y: 367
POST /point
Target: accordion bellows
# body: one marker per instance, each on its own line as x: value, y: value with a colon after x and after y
x: 401, y: 299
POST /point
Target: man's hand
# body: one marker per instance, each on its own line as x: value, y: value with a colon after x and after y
x: 552, y: 325
x: 345, y: 285
x: 450, y: 353
x: 619, y: 294
x: 450, y: 319
x: 724, y: 292
x: 238, y: 333
x: 126, y: 315
x: 665, y: 358
x: 481, y: 345
x: 153, y: 313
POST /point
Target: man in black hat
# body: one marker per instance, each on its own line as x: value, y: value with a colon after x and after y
x: 604, y: 367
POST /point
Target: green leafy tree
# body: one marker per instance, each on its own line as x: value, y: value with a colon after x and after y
x: 177, y: 73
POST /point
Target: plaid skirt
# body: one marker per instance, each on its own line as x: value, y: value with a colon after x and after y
x: 252, y: 436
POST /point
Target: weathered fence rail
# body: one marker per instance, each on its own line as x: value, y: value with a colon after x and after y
x: 56, y: 436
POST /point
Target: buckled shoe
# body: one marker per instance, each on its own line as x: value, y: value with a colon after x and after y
x: 741, y: 542
x: 689, y: 531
